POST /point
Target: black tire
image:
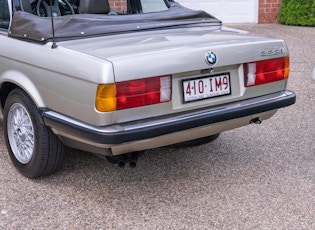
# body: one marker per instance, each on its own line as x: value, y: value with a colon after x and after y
x: 195, y: 142
x: 33, y: 148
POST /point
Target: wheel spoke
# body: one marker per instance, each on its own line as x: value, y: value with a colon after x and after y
x: 27, y: 151
x: 29, y: 145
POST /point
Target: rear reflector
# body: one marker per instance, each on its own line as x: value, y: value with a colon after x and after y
x: 132, y: 94
x: 262, y: 72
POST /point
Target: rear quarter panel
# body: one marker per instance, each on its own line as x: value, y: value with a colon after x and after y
x: 59, y: 79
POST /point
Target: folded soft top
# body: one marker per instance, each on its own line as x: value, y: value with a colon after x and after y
x: 28, y: 26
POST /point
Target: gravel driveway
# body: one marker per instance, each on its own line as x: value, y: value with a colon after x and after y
x: 256, y: 177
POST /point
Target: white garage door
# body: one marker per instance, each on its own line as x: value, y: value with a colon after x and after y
x: 229, y: 11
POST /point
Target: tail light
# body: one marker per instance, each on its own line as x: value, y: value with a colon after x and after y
x: 132, y: 94
x: 262, y: 72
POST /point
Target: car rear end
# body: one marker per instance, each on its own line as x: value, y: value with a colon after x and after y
x: 178, y: 85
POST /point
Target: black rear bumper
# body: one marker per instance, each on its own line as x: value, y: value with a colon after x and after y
x: 129, y: 132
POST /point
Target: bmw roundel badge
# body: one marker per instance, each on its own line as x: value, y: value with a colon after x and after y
x: 211, y: 58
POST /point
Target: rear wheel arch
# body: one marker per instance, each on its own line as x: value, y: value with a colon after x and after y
x: 13, y: 79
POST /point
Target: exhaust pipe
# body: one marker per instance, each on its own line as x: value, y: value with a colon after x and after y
x: 122, y: 160
x: 132, y: 164
x: 121, y: 164
x: 256, y: 121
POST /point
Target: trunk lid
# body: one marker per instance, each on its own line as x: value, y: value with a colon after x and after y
x: 154, y: 53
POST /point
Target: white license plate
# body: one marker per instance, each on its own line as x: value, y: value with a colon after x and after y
x: 206, y: 87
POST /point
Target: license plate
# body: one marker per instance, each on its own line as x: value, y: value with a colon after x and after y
x: 206, y: 87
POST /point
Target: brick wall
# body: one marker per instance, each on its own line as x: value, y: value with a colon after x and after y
x: 268, y: 11
x: 118, y: 5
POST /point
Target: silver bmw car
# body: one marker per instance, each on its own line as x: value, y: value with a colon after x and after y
x: 115, y: 83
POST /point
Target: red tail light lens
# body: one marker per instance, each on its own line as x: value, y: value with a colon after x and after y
x: 262, y: 72
x: 132, y: 94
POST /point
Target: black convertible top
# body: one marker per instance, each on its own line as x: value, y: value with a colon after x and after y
x: 39, y: 29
